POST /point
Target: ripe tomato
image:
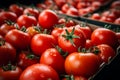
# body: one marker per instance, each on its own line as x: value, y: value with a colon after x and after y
x: 117, y: 21
x: 53, y: 58
x: 18, y: 10
x: 26, y: 20
x: 104, y: 36
x: 82, y: 64
x: 7, y: 15
x: 60, y: 3
x: 71, y: 39
x: 19, y: 39
x: 25, y: 59
x: 31, y: 11
x: 65, y: 7
x: 41, y: 42
x: 39, y: 72
x: 7, y: 52
x: 118, y: 36
x: 10, y: 72
x: 72, y: 11
x: 5, y: 28
x: 88, y: 44
x: 47, y: 19
x: 96, y: 16
x: 106, y: 52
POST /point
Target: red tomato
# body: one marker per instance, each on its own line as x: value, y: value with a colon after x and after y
x: 106, y: 52
x: 96, y: 16
x: 41, y: 42
x: 65, y: 7
x: 19, y: 39
x: 88, y: 44
x: 104, y: 36
x: 5, y: 28
x: 26, y: 20
x: 86, y: 30
x: 47, y: 19
x: 118, y: 36
x: 27, y: 59
x: 10, y: 72
x: 7, y: 15
x: 67, y: 22
x: 60, y: 3
x: 31, y: 11
x: 115, y: 4
x: 39, y: 72
x: 71, y: 39
x: 7, y: 52
x: 82, y: 64
x: 56, y: 32
x: 53, y: 58
x: 72, y: 11
x: 81, y: 5
x: 18, y: 10
x: 117, y: 21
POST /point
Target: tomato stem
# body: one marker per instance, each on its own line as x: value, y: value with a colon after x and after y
x: 8, y: 67
x: 2, y: 42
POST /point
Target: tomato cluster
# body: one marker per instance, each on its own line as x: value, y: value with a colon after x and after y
x: 110, y: 15
x: 38, y: 44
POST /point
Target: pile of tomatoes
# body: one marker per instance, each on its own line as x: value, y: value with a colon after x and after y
x: 111, y: 15
x: 38, y: 44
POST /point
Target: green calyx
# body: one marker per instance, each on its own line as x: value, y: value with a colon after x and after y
x: 8, y: 67
x: 70, y: 36
x: 2, y: 41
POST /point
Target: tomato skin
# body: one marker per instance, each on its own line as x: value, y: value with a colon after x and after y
x: 106, y: 52
x: 19, y: 39
x: 16, y: 9
x: 7, y: 15
x: 82, y: 64
x: 5, y: 28
x: 39, y: 72
x: 88, y: 44
x: 104, y: 36
x: 118, y: 36
x: 41, y: 42
x: 7, y: 53
x: 24, y: 61
x: 67, y: 46
x: 53, y: 58
x: 47, y: 19
x: 10, y: 75
x: 27, y: 21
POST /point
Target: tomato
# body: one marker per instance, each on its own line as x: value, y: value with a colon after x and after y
x: 32, y: 30
x: 72, y: 11
x: 47, y: 19
x: 26, y: 20
x: 71, y: 39
x: 10, y: 72
x: 67, y: 22
x: 71, y: 77
x: 96, y: 16
x: 81, y: 5
x: 7, y: 52
x: 26, y: 59
x: 82, y: 64
x: 56, y: 32
x: 41, y: 42
x: 5, y: 28
x: 18, y: 10
x: 39, y: 72
x: 7, y: 15
x: 96, y: 4
x: 104, y: 36
x: 88, y: 44
x: 19, y: 39
x: 115, y: 4
x: 31, y: 11
x: 53, y: 58
x: 117, y: 21
x: 86, y: 30
x: 65, y: 7
x: 106, y: 52
x: 60, y: 3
